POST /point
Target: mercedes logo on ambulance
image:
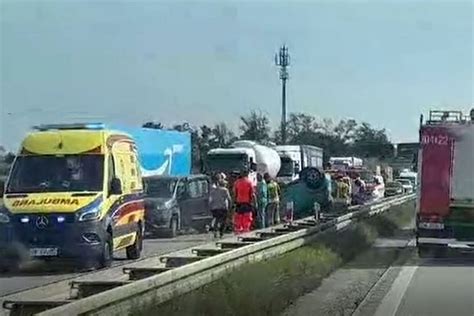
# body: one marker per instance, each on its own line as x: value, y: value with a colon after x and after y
x: 42, y: 222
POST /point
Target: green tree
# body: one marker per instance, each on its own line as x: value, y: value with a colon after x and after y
x: 204, y: 141
x: 345, y: 130
x: 221, y: 136
x: 9, y: 157
x: 300, y: 123
x: 196, y: 144
x: 255, y: 126
x: 153, y: 125
x: 371, y: 142
x: 334, y: 138
x: 184, y: 127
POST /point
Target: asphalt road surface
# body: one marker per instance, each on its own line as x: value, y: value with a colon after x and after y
x: 39, y: 275
x: 431, y: 287
x: 385, y: 282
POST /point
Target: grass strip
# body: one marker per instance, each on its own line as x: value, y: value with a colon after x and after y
x: 268, y: 287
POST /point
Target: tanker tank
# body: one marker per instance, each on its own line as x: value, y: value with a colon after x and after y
x: 267, y: 159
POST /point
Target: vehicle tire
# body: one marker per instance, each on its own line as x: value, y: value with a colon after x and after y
x: 134, y: 251
x: 106, y: 257
x: 10, y: 260
x: 173, y: 230
x: 425, y: 252
x: 311, y: 177
x: 11, y: 266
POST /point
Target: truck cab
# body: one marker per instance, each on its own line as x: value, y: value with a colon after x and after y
x: 74, y: 192
x: 445, y: 208
x: 344, y: 163
x: 244, y: 155
x: 295, y: 158
x: 290, y: 165
x: 232, y: 161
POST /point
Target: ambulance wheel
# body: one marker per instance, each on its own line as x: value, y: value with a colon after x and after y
x: 134, y: 251
x: 427, y: 252
x: 10, y: 260
x: 11, y: 266
x: 106, y: 257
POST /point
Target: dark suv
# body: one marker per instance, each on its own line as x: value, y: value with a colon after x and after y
x: 174, y: 203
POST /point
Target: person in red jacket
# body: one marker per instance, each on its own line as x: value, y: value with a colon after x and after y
x: 244, y: 197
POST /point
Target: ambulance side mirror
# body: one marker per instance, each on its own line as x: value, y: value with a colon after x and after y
x: 115, y: 186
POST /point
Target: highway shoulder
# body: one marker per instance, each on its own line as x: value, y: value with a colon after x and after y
x: 343, y: 291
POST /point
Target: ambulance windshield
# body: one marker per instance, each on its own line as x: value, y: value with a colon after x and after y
x: 47, y: 173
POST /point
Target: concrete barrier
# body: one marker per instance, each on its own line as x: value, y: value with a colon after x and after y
x: 159, y: 288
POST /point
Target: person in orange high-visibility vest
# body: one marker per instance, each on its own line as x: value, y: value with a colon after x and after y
x: 244, y: 197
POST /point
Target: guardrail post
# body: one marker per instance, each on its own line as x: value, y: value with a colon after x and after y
x: 317, y: 209
x: 289, y: 212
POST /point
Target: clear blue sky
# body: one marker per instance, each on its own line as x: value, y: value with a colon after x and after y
x: 383, y: 62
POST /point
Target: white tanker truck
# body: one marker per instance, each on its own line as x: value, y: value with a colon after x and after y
x: 244, y: 155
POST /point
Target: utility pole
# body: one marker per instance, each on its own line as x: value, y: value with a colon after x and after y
x: 282, y: 60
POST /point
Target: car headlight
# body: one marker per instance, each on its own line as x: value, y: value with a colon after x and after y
x: 169, y: 204
x: 165, y: 206
x: 89, y: 214
x: 4, y: 217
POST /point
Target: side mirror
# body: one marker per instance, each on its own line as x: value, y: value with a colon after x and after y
x: 253, y: 166
x: 180, y: 193
x: 115, y: 186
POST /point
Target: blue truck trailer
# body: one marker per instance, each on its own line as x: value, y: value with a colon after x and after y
x: 161, y: 152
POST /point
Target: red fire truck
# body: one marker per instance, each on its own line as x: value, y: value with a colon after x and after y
x: 445, y: 206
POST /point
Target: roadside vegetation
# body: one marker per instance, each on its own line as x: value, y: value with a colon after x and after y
x: 268, y: 287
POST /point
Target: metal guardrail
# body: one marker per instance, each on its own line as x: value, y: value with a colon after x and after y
x: 180, y: 274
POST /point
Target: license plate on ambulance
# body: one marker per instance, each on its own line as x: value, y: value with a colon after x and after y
x: 428, y: 225
x: 43, y: 252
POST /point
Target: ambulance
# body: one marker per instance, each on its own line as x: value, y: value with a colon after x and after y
x: 74, y: 192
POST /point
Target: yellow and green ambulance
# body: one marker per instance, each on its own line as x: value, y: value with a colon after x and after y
x: 74, y: 192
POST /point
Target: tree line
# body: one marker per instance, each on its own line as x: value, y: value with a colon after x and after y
x: 342, y: 138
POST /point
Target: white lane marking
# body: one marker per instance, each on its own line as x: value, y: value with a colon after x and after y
x: 393, y: 298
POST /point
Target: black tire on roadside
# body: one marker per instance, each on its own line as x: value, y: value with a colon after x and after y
x: 134, y: 251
